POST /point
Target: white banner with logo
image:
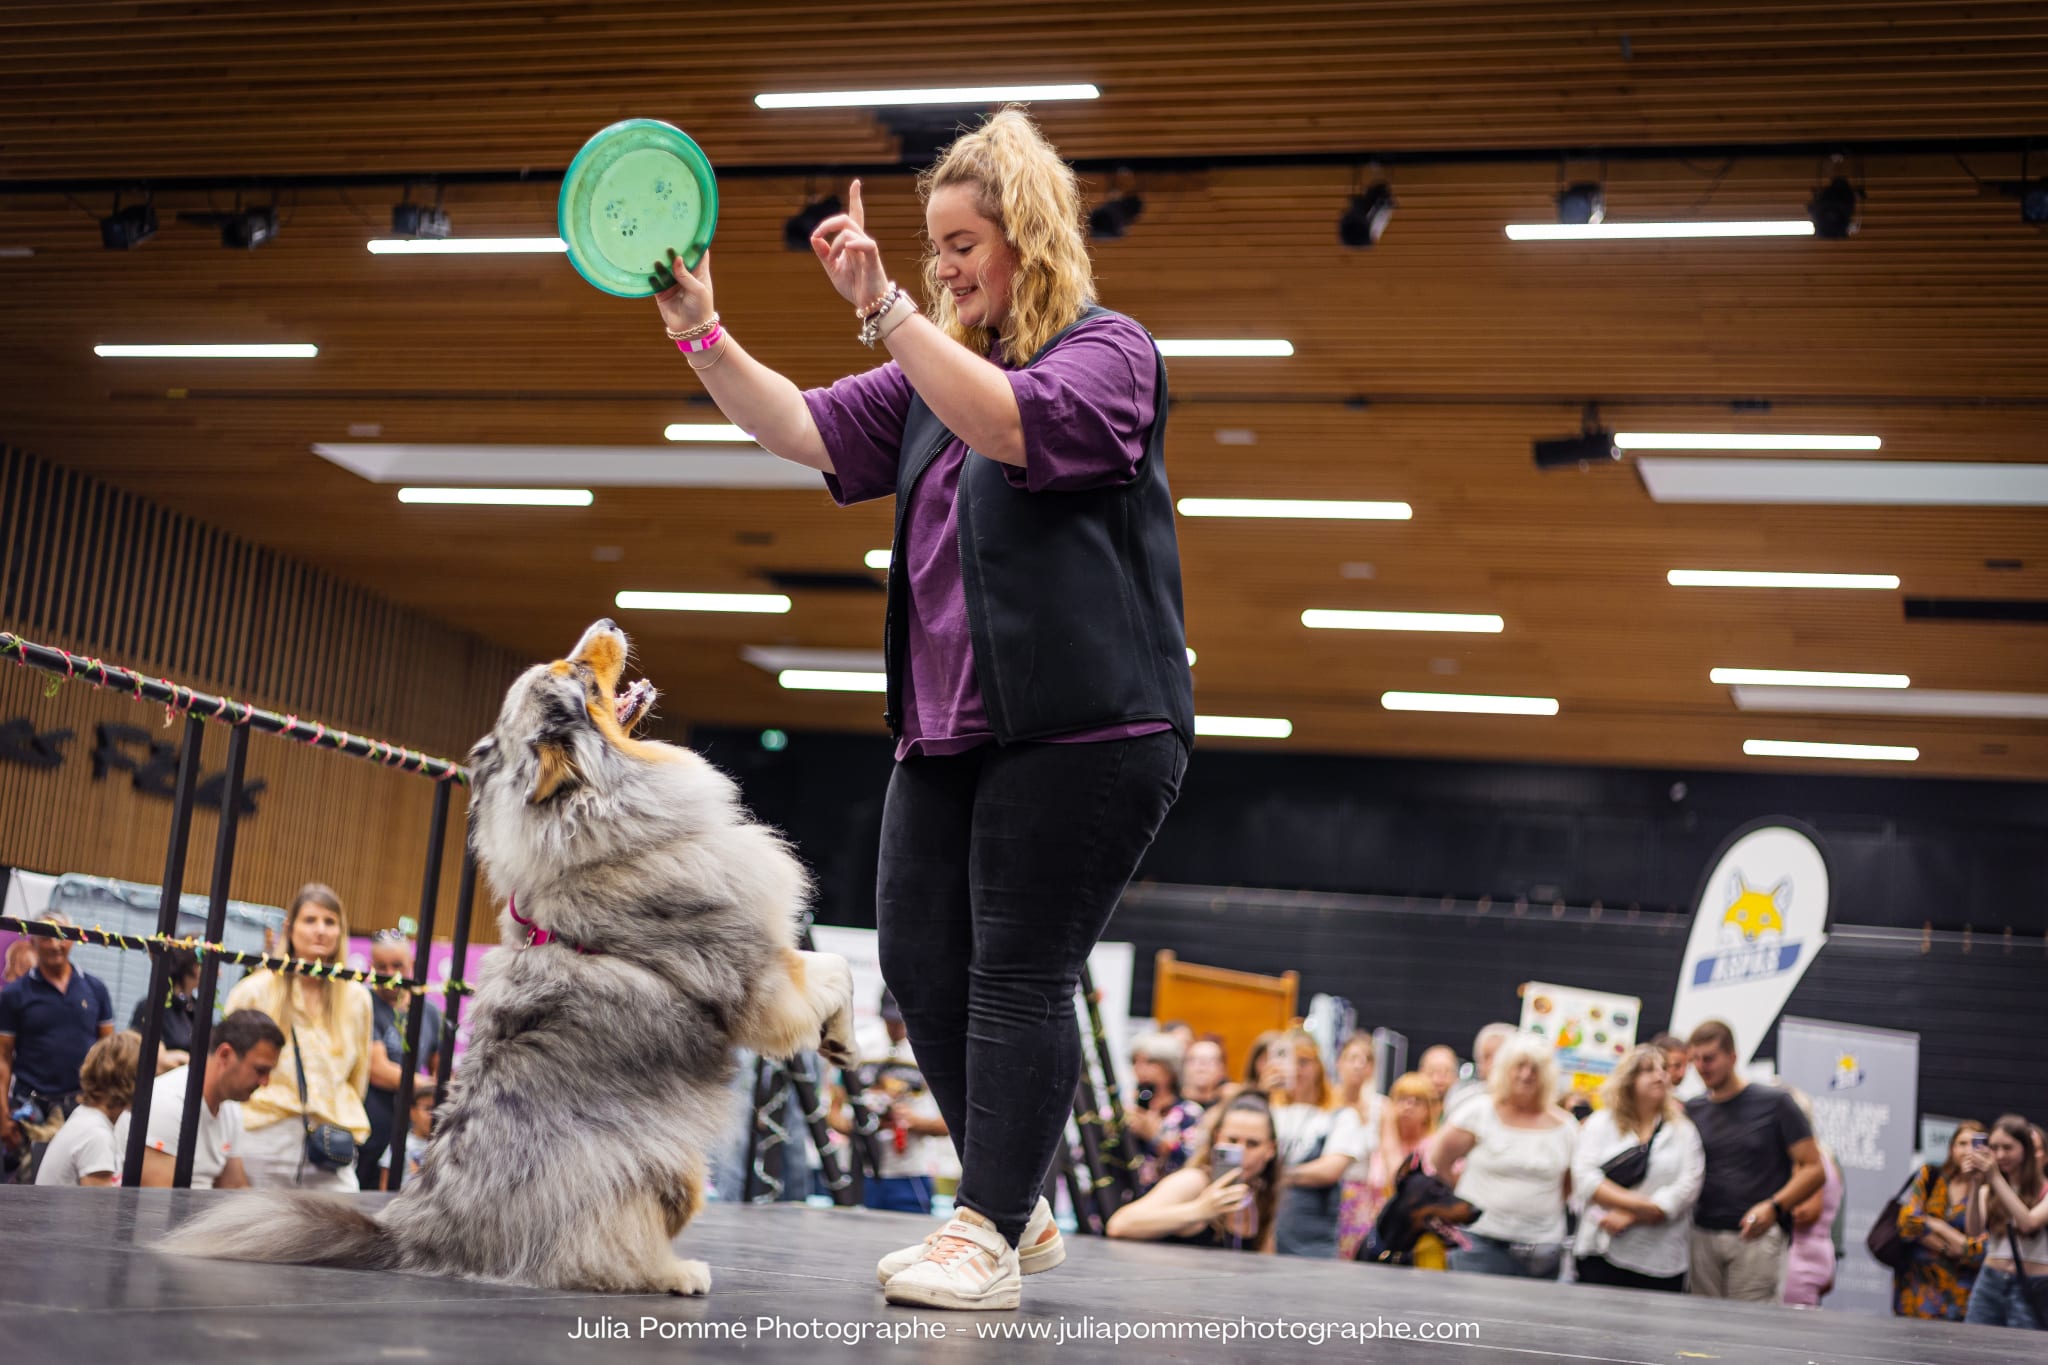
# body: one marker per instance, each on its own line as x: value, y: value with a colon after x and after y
x: 1761, y: 920
x: 1864, y: 1084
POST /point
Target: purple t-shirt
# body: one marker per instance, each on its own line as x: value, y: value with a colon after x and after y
x: 1087, y: 407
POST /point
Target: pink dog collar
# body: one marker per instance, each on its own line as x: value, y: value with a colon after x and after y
x: 536, y: 936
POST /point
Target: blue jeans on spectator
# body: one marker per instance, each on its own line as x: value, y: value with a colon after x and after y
x: 1491, y: 1256
x: 899, y: 1194
x: 1997, y: 1301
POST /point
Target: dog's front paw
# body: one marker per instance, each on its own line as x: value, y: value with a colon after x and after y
x: 835, y: 1050
x: 689, y: 1278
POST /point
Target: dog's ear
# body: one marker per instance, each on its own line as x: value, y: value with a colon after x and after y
x: 554, y: 772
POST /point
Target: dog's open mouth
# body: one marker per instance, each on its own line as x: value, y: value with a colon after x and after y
x: 634, y: 703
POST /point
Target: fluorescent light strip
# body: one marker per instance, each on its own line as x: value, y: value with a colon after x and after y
x: 650, y: 466
x: 1466, y: 703
x: 1706, y: 440
x: 766, y: 603
x: 706, y: 431
x: 464, y: 246
x: 1224, y: 348
x: 1244, y: 727
x: 1580, y: 232
x: 292, y: 350
x: 498, y: 497
x: 960, y: 94
x: 1915, y: 702
x: 16, y: 253
x: 1843, y: 483
x: 1794, y: 748
x: 777, y: 658
x: 826, y: 680
x: 1305, y: 509
x: 1191, y: 658
x: 878, y: 559
x: 1318, y: 619
x: 1794, y: 677
x: 1738, y: 578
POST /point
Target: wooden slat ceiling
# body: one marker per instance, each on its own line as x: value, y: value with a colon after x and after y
x: 1928, y: 328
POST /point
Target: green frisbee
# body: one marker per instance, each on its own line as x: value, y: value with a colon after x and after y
x: 637, y: 190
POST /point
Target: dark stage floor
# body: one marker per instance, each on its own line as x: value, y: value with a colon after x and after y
x: 77, y: 1285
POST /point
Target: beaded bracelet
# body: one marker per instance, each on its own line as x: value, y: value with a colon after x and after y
x: 877, y: 303
x: 692, y: 333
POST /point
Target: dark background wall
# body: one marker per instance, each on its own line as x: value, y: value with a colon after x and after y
x: 1940, y: 910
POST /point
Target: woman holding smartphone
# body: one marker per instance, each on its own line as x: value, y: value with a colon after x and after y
x: 2010, y: 1212
x: 1224, y: 1197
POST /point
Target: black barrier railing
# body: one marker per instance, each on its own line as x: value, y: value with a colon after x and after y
x: 196, y: 707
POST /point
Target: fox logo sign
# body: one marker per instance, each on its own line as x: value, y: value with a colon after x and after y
x: 1761, y: 917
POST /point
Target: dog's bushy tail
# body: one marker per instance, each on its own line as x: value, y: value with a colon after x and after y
x: 287, y: 1227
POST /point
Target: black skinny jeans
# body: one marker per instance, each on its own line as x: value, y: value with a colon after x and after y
x: 1000, y: 868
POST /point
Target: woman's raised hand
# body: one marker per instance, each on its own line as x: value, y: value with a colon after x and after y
x: 1225, y: 1194
x: 685, y: 295
x: 852, y: 260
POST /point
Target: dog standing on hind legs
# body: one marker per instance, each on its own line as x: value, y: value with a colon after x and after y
x: 650, y: 929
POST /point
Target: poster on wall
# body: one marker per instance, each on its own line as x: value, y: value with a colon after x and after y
x: 1590, y: 1030
x: 1760, y: 921
x: 1864, y: 1085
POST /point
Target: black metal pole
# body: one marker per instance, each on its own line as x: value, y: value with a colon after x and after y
x: 159, y: 969
x: 209, y: 970
x: 458, y: 970
x: 809, y: 1097
x: 1118, y: 1145
x: 415, y: 1017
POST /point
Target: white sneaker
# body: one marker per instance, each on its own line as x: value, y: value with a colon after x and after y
x: 1041, y: 1248
x: 968, y: 1265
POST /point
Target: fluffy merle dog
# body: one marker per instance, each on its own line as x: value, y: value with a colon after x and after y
x: 652, y: 928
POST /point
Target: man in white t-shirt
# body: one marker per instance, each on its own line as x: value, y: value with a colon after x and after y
x: 245, y: 1049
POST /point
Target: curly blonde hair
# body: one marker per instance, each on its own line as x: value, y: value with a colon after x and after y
x: 1024, y: 188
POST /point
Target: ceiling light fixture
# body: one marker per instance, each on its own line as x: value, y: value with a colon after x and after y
x: 1244, y: 727
x: 294, y: 350
x: 1832, y: 210
x: 1740, y: 578
x: 1582, y: 204
x: 465, y: 246
x: 126, y: 229
x: 1913, y: 702
x: 829, y: 680
x: 705, y: 431
x: 1794, y: 748
x: 878, y: 559
x: 761, y: 603
x: 1112, y: 218
x: 1844, y: 483
x: 1226, y: 348
x: 1703, y: 440
x: 1469, y: 703
x: 1796, y: 677
x: 1191, y: 658
x: 964, y: 94
x: 1593, y: 445
x: 498, y: 497
x: 1627, y: 232
x: 1474, y: 624
x: 242, y: 230
x: 428, y: 221
x: 1303, y: 509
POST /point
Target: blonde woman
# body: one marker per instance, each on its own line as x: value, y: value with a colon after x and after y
x: 1635, y: 1232
x: 1345, y: 1131
x: 1037, y: 675
x: 326, y: 1027
x: 1516, y: 1144
x: 1225, y: 1196
x: 84, y: 1151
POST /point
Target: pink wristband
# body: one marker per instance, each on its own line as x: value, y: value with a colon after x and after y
x: 702, y: 343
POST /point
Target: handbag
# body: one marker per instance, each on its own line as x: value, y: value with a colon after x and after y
x: 1628, y: 1168
x: 1883, y: 1239
x: 2033, y: 1288
x: 328, y: 1147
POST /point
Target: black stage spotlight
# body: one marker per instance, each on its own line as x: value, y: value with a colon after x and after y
x: 2034, y: 202
x: 127, y: 228
x: 1593, y: 445
x: 247, y: 229
x: 1366, y: 218
x: 1111, y: 218
x: 418, y: 220
x: 798, y: 227
x: 1582, y: 203
x: 1833, y: 208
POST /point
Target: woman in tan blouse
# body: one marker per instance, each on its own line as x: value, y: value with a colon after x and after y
x: 331, y: 1020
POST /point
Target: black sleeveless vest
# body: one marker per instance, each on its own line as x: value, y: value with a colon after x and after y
x: 1073, y: 598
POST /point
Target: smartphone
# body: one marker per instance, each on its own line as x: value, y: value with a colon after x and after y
x: 1225, y: 1159
x: 1980, y: 1140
